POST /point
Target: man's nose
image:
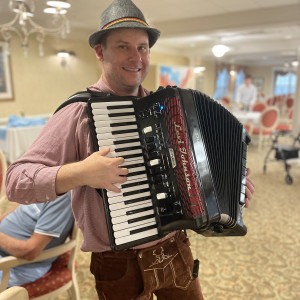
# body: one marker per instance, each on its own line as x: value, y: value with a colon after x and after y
x: 135, y: 55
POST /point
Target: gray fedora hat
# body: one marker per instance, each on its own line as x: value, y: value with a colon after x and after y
x: 123, y: 14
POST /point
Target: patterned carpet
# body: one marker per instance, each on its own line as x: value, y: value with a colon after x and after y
x: 265, y: 264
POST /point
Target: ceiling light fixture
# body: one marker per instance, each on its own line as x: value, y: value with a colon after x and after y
x: 23, y: 25
x: 219, y: 50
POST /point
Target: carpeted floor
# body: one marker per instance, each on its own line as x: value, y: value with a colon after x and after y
x: 265, y: 264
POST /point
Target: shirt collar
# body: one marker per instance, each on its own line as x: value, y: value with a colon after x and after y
x: 101, y: 86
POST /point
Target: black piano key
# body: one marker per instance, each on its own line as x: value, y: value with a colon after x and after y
x: 111, y: 107
x: 127, y: 149
x: 143, y: 229
x: 135, y: 166
x: 122, y: 124
x: 113, y: 132
x: 137, y: 200
x: 121, y: 114
x: 139, y: 210
x: 135, y: 192
x: 127, y: 185
x: 132, y: 155
x: 118, y: 142
x: 141, y: 218
x: 136, y: 173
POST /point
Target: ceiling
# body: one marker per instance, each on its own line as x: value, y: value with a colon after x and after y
x: 258, y: 32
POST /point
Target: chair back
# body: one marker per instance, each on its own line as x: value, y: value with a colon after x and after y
x: 60, y: 278
x: 3, y: 168
x: 289, y: 102
x: 259, y: 106
x: 14, y: 293
x: 269, y: 119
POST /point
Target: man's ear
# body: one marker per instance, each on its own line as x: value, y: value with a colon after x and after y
x: 99, y: 52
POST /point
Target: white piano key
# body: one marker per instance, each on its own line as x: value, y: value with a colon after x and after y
x: 133, y: 179
x: 112, y: 142
x: 104, y: 111
x: 112, y: 120
x: 126, y: 232
x: 111, y: 129
x: 117, y: 137
x: 137, y: 169
x: 131, y: 217
x: 132, y: 161
x: 123, y: 211
x: 123, y: 205
x: 96, y: 105
x: 129, y: 152
x: 126, y: 190
x: 126, y: 225
x: 120, y: 197
x: 118, y: 146
x: 111, y: 123
x: 136, y: 236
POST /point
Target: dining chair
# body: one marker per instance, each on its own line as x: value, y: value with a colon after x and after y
x: 268, y: 122
x: 225, y: 101
x: 259, y: 106
x: 3, y: 168
x: 60, y: 278
x: 289, y: 103
x: 14, y: 293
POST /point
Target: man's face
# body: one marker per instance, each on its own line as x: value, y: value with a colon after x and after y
x: 125, y: 60
x: 248, y: 81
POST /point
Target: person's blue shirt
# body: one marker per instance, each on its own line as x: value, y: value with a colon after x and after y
x: 53, y: 218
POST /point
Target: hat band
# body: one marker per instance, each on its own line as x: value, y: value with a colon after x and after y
x: 125, y: 20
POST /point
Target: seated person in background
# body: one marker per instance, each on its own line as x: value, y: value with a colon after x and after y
x: 27, y: 230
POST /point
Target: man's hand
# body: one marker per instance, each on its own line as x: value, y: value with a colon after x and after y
x: 97, y: 171
x: 250, y: 187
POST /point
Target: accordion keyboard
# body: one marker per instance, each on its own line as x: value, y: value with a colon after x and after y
x: 131, y: 211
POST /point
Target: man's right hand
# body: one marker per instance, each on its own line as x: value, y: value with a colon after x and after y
x: 97, y: 171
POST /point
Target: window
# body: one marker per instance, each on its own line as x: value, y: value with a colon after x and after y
x: 240, y: 77
x: 222, y: 84
x: 285, y: 83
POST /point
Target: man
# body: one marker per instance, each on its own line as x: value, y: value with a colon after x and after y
x: 27, y: 230
x: 246, y: 94
x: 63, y: 160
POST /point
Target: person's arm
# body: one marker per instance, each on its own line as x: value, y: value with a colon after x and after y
x: 27, y: 249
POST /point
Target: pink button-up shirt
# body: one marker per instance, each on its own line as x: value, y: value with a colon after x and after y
x: 64, y: 139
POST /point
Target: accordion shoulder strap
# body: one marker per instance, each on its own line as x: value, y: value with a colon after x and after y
x: 82, y: 96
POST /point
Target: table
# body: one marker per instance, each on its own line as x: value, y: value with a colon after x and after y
x: 18, y: 140
x: 247, y: 116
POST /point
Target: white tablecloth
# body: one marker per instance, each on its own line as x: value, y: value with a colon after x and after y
x: 18, y: 140
x: 247, y: 116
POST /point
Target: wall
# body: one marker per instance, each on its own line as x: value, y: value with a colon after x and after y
x: 264, y: 72
x: 40, y: 84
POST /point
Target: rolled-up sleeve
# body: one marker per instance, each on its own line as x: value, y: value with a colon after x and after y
x: 63, y: 140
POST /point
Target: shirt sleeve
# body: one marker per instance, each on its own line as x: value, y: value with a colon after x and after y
x: 63, y: 140
x: 55, y: 217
